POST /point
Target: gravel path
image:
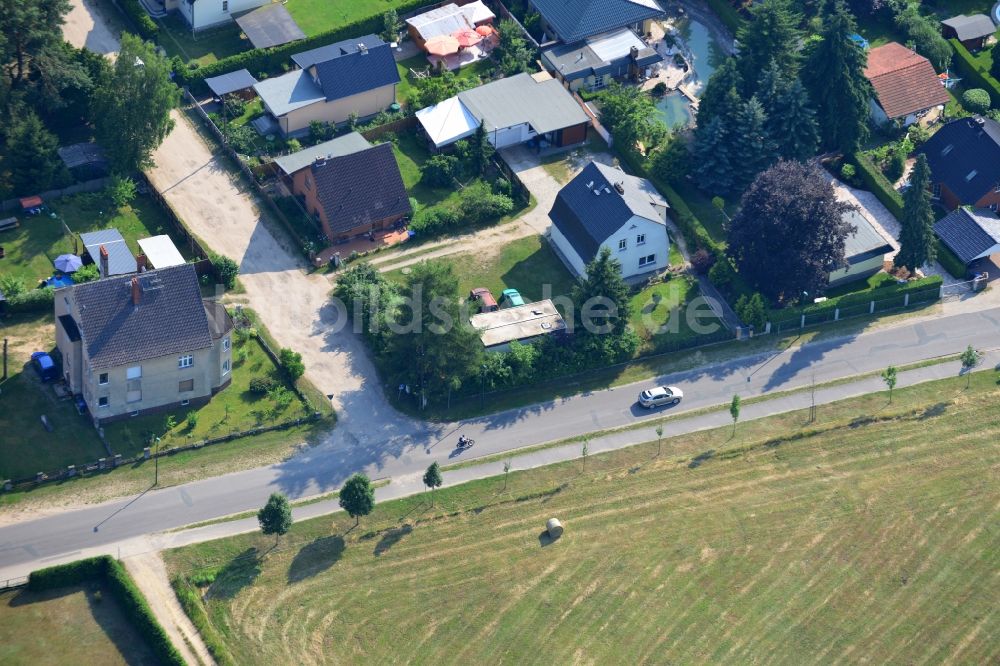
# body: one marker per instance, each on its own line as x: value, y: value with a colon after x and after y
x: 150, y: 575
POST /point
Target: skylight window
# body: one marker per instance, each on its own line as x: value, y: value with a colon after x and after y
x: 972, y: 174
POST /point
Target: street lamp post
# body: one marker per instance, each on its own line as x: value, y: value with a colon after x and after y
x: 482, y: 394
x: 156, y: 464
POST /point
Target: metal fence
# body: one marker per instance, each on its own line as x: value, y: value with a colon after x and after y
x: 824, y: 315
x: 13, y: 583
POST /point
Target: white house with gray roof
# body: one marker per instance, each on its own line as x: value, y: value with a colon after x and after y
x: 515, y: 110
x: 604, y: 207
x: 140, y: 344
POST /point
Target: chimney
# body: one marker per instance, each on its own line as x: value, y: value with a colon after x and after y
x: 620, y: 188
x: 104, y: 261
x: 363, y: 49
x: 141, y: 263
x: 136, y: 291
x: 633, y: 53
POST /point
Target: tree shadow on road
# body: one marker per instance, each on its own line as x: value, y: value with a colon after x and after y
x: 316, y: 557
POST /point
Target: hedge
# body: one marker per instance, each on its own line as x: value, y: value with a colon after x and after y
x: 975, y: 75
x: 145, y: 25
x: 728, y: 14
x: 885, y: 291
x: 190, y: 601
x: 274, y: 59
x: 33, y: 300
x: 133, y: 604
x: 872, y: 178
x: 951, y: 263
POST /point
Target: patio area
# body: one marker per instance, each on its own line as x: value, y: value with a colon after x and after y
x: 383, y: 239
x: 466, y: 56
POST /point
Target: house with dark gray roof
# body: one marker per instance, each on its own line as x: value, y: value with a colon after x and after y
x: 355, y: 193
x: 571, y: 21
x: 604, y: 207
x: 971, y: 233
x: 964, y: 156
x: 239, y: 82
x: 864, y: 250
x: 355, y: 77
x: 595, y: 61
x: 972, y: 31
x: 144, y: 343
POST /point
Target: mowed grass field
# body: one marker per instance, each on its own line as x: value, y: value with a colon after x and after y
x: 79, y: 624
x: 869, y: 535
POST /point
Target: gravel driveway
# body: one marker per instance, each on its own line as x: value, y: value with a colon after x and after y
x: 85, y: 25
x: 295, y: 306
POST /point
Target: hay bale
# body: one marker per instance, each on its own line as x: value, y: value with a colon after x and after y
x: 554, y: 528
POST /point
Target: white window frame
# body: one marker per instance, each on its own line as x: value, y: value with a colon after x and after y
x: 107, y: 402
x: 622, y: 244
x: 225, y: 367
x: 225, y: 344
x: 106, y: 380
x: 647, y: 260
x: 185, y: 361
x: 135, y: 372
x: 640, y: 239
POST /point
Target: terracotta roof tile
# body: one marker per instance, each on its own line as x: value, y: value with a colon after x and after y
x: 904, y: 81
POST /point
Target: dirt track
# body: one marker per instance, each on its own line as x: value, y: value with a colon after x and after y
x: 87, y: 26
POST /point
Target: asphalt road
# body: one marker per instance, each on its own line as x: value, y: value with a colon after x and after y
x: 384, y: 453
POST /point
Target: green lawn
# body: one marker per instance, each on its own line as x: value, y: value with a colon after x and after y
x: 859, y: 286
x: 68, y: 625
x: 233, y: 409
x: 203, y: 48
x: 526, y: 264
x: 659, y: 315
x: 26, y: 447
x: 32, y: 247
x: 866, y: 535
x: 316, y: 16
x: 710, y: 216
x: 411, y: 152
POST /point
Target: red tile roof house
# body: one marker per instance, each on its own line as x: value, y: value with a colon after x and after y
x: 906, y: 85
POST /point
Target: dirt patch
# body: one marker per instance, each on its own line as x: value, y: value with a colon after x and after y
x: 86, y: 26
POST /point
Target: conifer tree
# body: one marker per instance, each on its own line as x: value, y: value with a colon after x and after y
x: 916, y: 239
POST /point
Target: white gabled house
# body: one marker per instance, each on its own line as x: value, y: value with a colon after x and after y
x: 605, y: 207
x: 201, y: 14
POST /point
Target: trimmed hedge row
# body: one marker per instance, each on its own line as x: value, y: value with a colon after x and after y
x: 274, y: 59
x: 193, y: 608
x: 950, y: 261
x: 883, y: 292
x: 33, y: 300
x: 879, y: 185
x: 145, y: 25
x: 974, y: 73
x: 133, y: 605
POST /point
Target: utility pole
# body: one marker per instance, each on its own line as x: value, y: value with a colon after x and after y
x: 156, y: 464
x: 812, y: 397
x: 5, y: 359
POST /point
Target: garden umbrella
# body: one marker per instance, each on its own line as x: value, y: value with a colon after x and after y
x: 441, y: 45
x: 68, y: 263
x: 485, y: 30
x: 467, y: 37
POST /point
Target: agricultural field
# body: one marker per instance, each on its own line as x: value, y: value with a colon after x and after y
x: 66, y: 626
x: 866, y: 535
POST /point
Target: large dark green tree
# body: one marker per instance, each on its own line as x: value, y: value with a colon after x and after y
x: 995, y: 66
x: 27, y: 29
x: 753, y: 148
x: 480, y: 149
x: 771, y: 35
x: 31, y: 156
x: 789, y: 233
x: 602, y: 297
x: 834, y: 74
x: 792, y: 122
x: 916, y: 238
x: 433, y: 346
x: 720, y: 97
x: 132, y: 104
x: 712, y: 157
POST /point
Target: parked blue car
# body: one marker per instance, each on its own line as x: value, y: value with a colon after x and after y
x: 44, y: 366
